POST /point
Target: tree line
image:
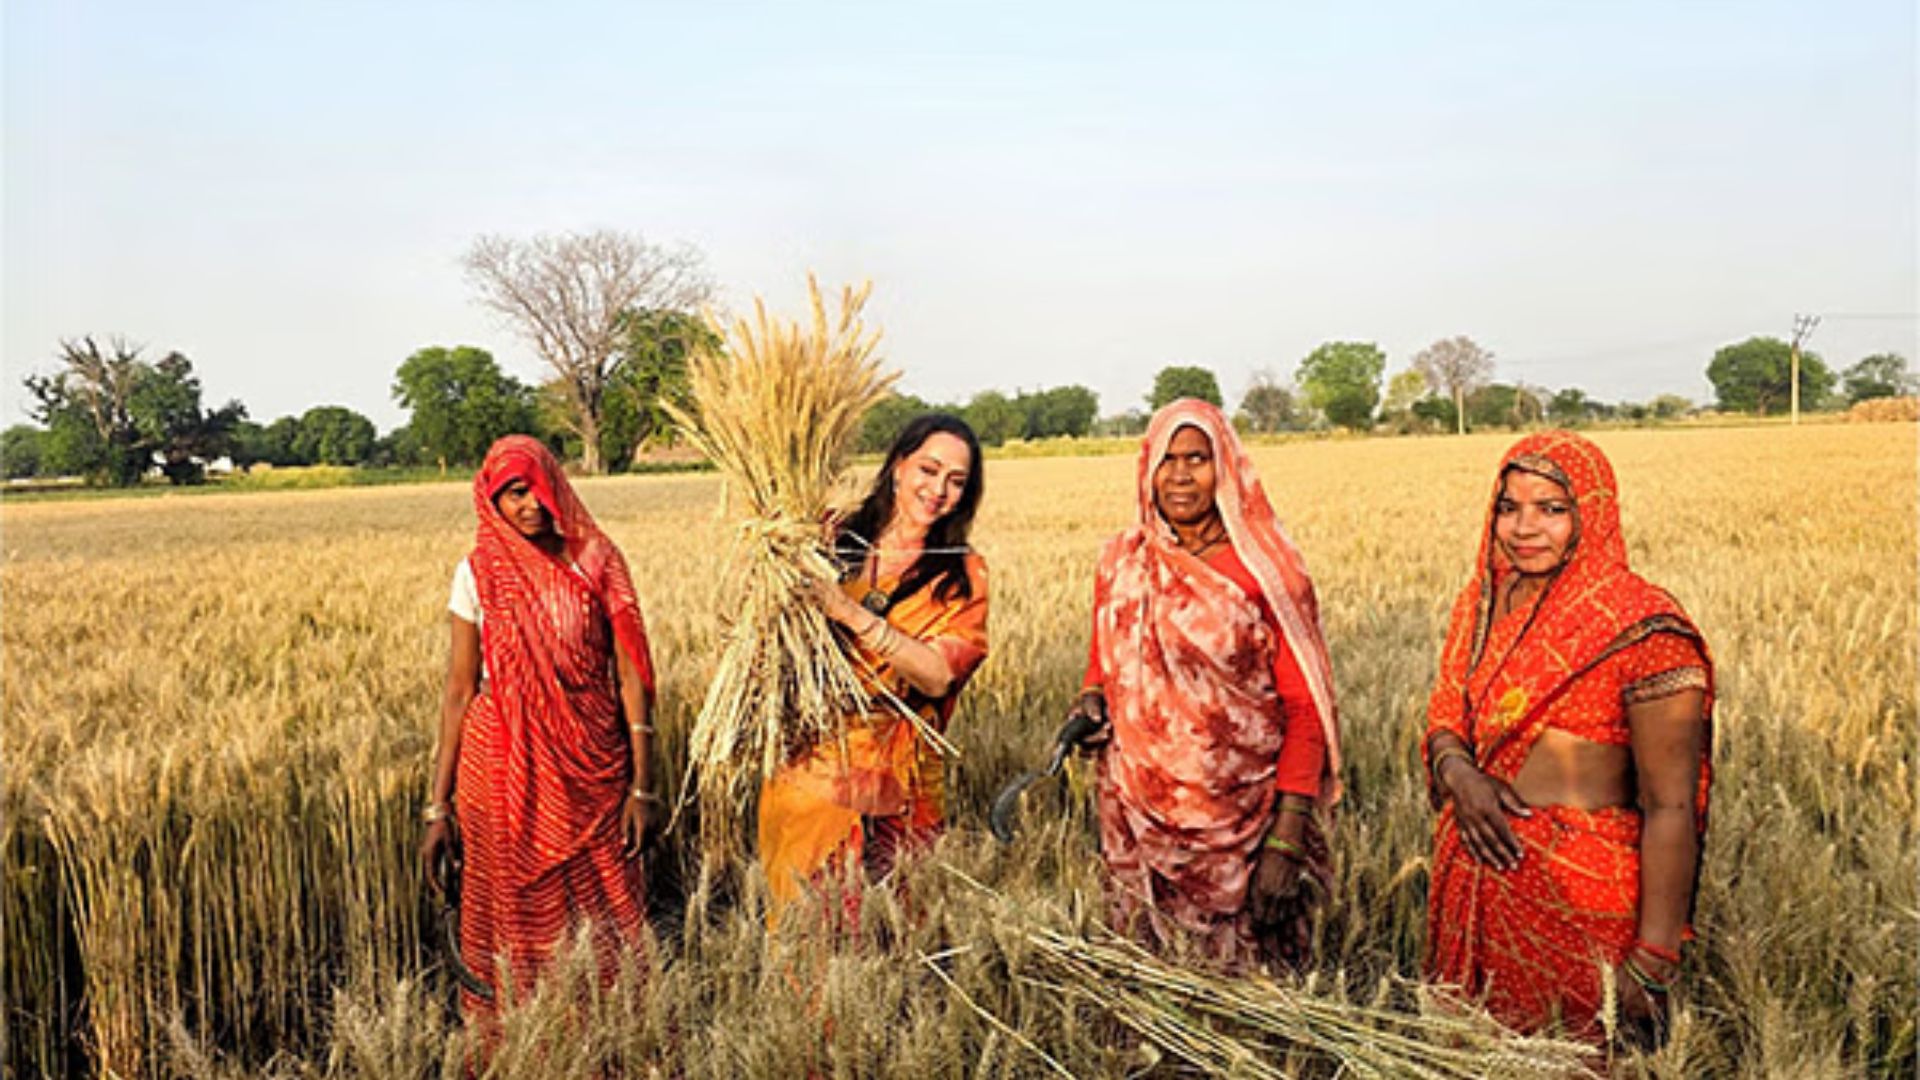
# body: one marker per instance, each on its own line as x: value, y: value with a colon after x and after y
x: 614, y: 318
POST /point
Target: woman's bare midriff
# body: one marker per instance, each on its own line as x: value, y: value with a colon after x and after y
x: 1566, y: 770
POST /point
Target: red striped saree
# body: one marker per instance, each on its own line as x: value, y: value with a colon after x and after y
x: 545, y: 762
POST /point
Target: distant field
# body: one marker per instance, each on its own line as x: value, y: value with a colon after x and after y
x: 219, y: 712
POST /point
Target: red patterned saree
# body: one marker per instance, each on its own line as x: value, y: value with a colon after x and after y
x: 1187, y: 788
x: 1534, y: 940
x: 545, y: 762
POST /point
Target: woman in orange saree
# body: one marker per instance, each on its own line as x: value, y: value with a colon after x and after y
x: 913, y: 604
x: 541, y: 778
x: 1567, y: 752
x: 1210, y: 681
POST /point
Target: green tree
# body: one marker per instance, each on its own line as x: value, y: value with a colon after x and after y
x: 886, y: 420
x: 1500, y: 404
x: 1063, y: 410
x: 1173, y: 383
x: 459, y: 401
x: 1756, y: 376
x: 1881, y: 375
x: 165, y: 406
x: 994, y: 417
x: 21, y: 447
x: 86, y: 408
x: 110, y: 413
x: 334, y: 435
x: 1266, y: 406
x: 1570, y: 406
x: 1342, y: 380
x: 1405, y: 388
x: 1669, y: 406
x: 652, y: 371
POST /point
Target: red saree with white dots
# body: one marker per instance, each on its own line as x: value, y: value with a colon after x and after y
x: 1534, y: 941
x: 545, y: 761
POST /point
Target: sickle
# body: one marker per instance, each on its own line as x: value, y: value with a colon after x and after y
x: 1007, y: 804
x: 446, y: 870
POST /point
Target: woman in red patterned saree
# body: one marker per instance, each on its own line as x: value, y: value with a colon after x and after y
x: 545, y: 741
x: 1567, y: 750
x: 1220, y: 750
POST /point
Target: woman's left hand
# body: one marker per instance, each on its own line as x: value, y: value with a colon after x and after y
x: 636, y: 824
x: 1643, y: 1013
x: 1275, y: 889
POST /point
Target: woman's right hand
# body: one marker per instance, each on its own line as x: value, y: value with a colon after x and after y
x: 1087, y: 714
x: 441, y: 836
x: 1481, y: 804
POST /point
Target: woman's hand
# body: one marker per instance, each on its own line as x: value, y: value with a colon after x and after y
x: 1088, y: 713
x: 1643, y: 1012
x: 1275, y: 888
x: 637, y: 823
x: 835, y: 605
x: 442, y: 835
x: 1481, y: 804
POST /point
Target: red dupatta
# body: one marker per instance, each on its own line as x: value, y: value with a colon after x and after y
x: 562, y: 749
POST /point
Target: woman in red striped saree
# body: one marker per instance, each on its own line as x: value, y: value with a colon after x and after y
x: 1214, y: 693
x: 1567, y: 753
x: 541, y: 778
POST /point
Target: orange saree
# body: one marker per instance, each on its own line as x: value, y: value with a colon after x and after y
x: 881, y: 791
x: 1534, y: 941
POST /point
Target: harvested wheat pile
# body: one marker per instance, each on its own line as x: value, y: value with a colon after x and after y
x: 1885, y: 410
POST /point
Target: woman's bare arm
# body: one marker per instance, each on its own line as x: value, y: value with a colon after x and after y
x: 1668, y: 737
x: 922, y: 665
x: 463, y: 683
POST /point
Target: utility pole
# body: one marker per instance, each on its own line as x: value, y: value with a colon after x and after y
x: 1802, y: 329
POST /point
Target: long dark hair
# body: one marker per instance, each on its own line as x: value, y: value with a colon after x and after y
x: 943, y: 562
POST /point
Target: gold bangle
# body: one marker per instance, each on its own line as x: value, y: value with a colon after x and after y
x: 645, y: 796
x: 435, y: 811
x: 641, y: 729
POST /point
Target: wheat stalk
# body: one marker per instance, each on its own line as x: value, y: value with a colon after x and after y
x: 776, y: 410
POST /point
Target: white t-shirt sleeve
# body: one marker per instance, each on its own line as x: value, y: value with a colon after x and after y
x: 464, y: 601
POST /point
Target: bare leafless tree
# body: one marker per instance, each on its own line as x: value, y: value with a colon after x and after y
x: 568, y: 295
x: 1458, y: 366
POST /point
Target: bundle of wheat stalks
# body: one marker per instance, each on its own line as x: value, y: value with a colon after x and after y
x: 1254, y: 1026
x: 777, y: 410
x: 1232, y: 1026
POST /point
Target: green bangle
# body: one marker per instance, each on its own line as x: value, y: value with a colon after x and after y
x: 1647, y: 982
x: 1287, y: 847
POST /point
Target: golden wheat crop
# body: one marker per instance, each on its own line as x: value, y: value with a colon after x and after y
x: 218, y: 713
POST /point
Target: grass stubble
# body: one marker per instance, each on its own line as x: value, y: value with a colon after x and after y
x: 219, y: 712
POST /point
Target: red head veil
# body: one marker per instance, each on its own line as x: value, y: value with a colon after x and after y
x: 510, y: 570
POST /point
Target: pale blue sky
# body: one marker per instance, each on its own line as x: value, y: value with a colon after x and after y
x: 1042, y: 194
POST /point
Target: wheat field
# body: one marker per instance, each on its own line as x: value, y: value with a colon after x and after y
x: 218, y: 714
